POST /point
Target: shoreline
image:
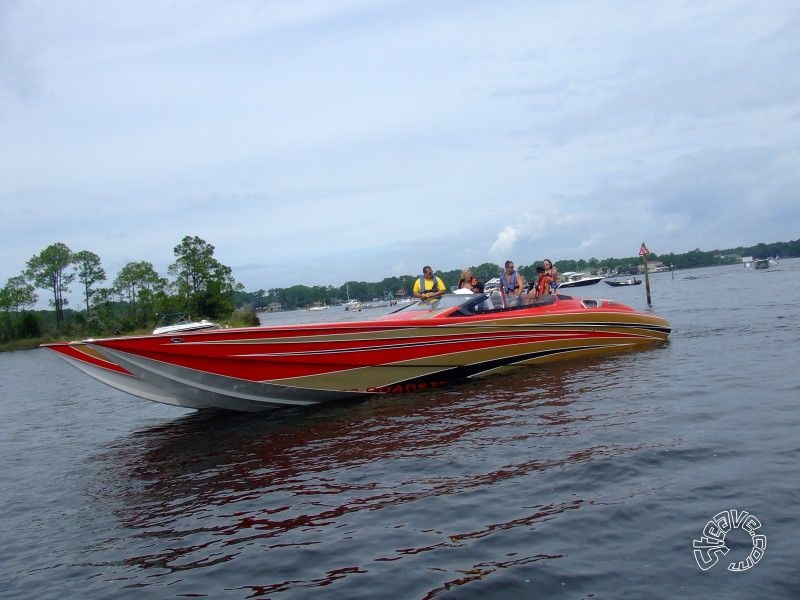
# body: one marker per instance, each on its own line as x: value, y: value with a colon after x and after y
x: 24, y: 344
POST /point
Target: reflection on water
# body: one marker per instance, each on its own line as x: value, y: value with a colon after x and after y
x: 211, y: 488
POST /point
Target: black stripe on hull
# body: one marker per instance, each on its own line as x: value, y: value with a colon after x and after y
x: 451, y: 374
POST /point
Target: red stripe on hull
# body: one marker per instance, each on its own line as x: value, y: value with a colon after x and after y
x: 80, y: 352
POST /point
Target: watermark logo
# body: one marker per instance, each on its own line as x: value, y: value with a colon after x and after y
x: 708, y: 548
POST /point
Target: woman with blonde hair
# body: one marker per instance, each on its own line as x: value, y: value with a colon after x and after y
x: 469, y: 282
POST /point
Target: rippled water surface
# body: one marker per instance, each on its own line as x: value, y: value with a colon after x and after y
x: 588, y: 479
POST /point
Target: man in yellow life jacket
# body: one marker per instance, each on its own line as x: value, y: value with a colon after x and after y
x: 428, y: 286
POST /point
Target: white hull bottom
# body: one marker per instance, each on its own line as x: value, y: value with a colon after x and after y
x: 179, y: 386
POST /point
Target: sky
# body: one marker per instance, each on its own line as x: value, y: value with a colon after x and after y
x: 319, y: 142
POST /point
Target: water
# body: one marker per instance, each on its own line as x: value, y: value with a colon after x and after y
x: 585, y: 480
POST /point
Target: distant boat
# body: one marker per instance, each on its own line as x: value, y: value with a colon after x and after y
x: 318, y: 307
x: 492, y: 285
x: 178, y: 322
x: 575, y: 279
x: 623, y: 282
x: 761, y: 263
x: 378, y: 303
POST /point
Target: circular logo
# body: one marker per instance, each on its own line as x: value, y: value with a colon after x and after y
x: 712, y: 543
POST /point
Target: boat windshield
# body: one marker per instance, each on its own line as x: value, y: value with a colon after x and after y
x: 176, y: 318
x: 467, y: 304
x: 455, y: 305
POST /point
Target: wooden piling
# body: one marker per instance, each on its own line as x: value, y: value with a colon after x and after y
x: 643, y: 252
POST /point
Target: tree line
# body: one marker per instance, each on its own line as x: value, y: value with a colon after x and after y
x: 300, y: 296
x: 201, y: 286
x: 197, y: 284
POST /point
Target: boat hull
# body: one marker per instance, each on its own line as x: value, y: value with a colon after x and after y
x: 257, y: 368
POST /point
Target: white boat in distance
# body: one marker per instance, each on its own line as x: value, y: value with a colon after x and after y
x: 177, y: 322
x: 352, y: 305
x: 575, y: 279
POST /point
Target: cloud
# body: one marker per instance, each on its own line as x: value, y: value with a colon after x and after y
x: 504, y: 244
x: 320, y: 142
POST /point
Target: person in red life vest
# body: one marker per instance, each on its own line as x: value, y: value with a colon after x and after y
x: 551, y: 270
x: 541, y: 287
x: 544, y: 282
x: 428, y: 286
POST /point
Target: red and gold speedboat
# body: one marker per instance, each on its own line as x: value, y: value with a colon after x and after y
x: 419, y: 346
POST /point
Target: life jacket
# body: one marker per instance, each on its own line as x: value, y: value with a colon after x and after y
x: 434, y: 284
x: 543, y: 284
x: 504, y: 281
